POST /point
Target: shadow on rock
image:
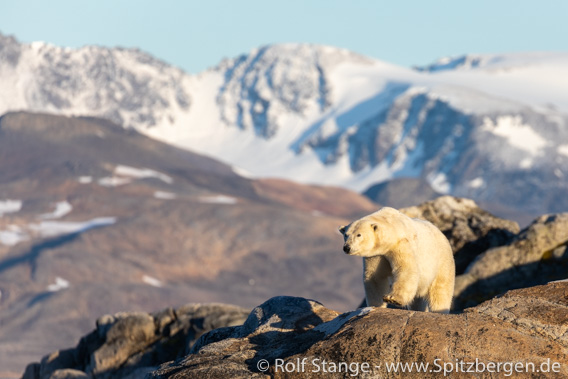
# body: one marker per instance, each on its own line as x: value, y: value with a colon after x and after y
x: 277, y: 329
x: 523, y: 276
x: 537, y: 255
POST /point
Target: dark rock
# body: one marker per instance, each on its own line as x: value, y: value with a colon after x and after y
x: 61, y: 359
x: 128, y: 335
x: 32, y: 371
x: 129, y: 345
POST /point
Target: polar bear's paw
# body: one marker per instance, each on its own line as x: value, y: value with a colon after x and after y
x: 392, y: 300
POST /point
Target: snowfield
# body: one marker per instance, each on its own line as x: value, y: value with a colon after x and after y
x: 218, y: 199
x: 141, y: 173
x: 12, y: 236
x: 57, y: 228
x: 61, y: 209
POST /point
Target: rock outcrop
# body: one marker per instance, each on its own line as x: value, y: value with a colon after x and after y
x: 295, y: 337
x: 518, y: 333
x: 535, y: 256
x: 470, y: 229
x: 129, y: 345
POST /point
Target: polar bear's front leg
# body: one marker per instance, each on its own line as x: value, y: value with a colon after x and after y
x: 376, y: 274
x: 405, y: 280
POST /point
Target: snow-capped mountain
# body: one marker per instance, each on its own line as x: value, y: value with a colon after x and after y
x: 490, y: 127
x: 125, y: 85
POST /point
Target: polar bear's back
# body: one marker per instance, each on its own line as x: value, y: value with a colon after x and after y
x: 429, y: 234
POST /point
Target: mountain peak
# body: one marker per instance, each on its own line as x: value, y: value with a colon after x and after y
x: 127, y: 86
x: 289, y: 77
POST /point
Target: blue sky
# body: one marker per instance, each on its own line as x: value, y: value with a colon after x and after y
x: 195, y: 35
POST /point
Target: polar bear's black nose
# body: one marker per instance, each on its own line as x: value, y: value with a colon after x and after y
x: 346, y: 248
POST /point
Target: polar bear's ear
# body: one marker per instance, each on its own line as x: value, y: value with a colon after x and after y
x: 375, y: 227
x: 341, y: 230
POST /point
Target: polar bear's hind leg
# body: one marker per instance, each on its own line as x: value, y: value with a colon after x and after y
x: 440, y: 294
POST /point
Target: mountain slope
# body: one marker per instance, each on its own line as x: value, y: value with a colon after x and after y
x: 489, y: 127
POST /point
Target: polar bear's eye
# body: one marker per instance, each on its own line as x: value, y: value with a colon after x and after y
x: 359, y: 235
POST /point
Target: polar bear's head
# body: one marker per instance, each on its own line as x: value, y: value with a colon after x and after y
x: 378, y: 233
x: 360, y: 238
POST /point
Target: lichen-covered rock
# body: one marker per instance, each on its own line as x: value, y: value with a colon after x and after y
x: 294, y: 337
x: 470, y: 229
x: 129, y: 345
x: 536, y: 256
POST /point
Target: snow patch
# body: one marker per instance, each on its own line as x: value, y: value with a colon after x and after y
x: 113, y: 181
x: 165, y: 195
x: 439, y: 182
x: 12, y: 236
x: 242, y: 172
x: 141, y: 173
x: 526, y: 163
x: 563, y: 149
x: 57, y: 228
x: 10, y: 206
x: 85, y: 179
x: 125, y: 174
x: 152, y: 281
x: 61, y: 209
x: 519, y: 135
x: 218, y: 199
x: 476, y: 183
x: 59, y: 285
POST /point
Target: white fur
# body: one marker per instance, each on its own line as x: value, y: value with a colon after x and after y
x: 412, y: 253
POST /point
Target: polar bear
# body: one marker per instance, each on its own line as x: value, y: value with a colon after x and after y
x: 410, y: 252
